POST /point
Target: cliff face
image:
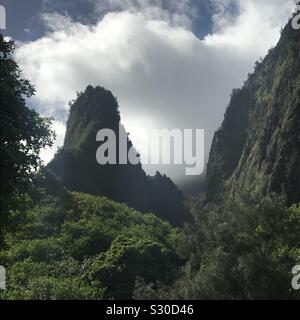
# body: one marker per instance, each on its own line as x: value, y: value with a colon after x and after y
x: 257, y: 148
x: 76, y: 164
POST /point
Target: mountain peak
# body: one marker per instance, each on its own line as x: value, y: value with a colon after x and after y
x: 94, y: 109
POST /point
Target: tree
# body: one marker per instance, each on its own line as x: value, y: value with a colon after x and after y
x: 23, y: 133
x: 244, y: 250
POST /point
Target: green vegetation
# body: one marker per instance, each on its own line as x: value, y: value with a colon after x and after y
x: 62, y: 245
x: 81, y: 246
x: 62, y: 239
x: 87, y: 247
x: 257, y: 148
x: 240, y: 252
x: 23, y: 133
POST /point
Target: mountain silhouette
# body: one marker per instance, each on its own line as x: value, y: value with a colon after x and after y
x: 75, y: 164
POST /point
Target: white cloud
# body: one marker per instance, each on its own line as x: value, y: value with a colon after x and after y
x: 60, y: 130
x: 160, y: 71
x: 255, y: 29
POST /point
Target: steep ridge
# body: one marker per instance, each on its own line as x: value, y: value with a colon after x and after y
x: 257, y: 149
x: 76, y: 164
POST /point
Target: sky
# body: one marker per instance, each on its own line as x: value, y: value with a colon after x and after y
x: 171, y: 64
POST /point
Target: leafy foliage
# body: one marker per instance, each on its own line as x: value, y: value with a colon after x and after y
x: 244, y: 251
x: 85, y: 247
x: 23, y: 133
x: 257, y: 148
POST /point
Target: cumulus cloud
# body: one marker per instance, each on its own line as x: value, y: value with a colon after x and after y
x: 163, y: 75
x: 60, y: 130
x: 256, y: 26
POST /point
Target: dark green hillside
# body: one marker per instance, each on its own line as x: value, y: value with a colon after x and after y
x: 257, y: 148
